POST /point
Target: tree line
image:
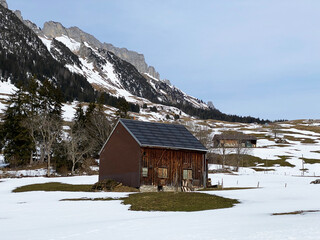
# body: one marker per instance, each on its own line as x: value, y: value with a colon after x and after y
x: 33, y: 131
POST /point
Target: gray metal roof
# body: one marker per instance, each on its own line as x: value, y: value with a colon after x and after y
x: 149, y: 134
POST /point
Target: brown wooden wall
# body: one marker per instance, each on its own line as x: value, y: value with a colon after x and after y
x: 120, y: 158
x: 175, y: 161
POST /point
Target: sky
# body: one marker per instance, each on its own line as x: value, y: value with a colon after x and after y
x: 249, y: 57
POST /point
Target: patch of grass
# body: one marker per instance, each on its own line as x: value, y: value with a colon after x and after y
x: 282, y: 161
x: 292, y: 138
x: 91, y: 199
x: 308, y: 141
x: 263, y: 169
x: 301, y: 212
x: 280, y: 145
x: 225, y: 189
x: 315, y: 129
x: 310, y: 161
x: 181, y: 201
x: 252, y: 161
x: 315, y: 151
x: 302, y: 140
x: 54, y: 186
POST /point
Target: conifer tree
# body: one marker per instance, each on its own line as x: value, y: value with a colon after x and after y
x: 123, y: 108
x: 79, y: 118
x: 18, y: 144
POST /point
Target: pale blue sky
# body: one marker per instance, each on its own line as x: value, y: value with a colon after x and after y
x: 249, y: 57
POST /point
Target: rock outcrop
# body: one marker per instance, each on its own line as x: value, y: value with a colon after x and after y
x: 4, y: 3
x: 54, y: 29
x: 29, y: 24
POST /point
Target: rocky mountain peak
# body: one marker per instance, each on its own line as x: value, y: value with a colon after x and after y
x: 28, y: 23
x: 4, y: 3
x: 210, y: 105
x: 18, y: 14
x: 54, y: 29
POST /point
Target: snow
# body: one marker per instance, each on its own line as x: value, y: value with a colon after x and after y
x: 7, y: 87
x: 29, y: 173
x: 33, y: 215
x: 2, y: 162
x: 68, y: 111
x: 72, y: 44
x: 3, y: 107
x: 46, y: 42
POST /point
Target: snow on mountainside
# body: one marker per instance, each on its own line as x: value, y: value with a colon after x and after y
x: 81, y: 53
x: 105, y: 71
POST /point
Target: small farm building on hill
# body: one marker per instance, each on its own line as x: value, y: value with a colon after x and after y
x: 234, y: 139
x: 153, y: 156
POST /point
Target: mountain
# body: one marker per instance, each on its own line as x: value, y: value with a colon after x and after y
x: 53, y: 29
x: 83, y: 67
x: 116, y: 70
x: 23, y: 54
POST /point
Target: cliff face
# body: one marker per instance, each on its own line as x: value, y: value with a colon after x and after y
x: 4, y: 3
x: 119, y: 69
x: 70, y: 52
x: 54, y: 29
x: 83, y: 68
x: 23, y: 55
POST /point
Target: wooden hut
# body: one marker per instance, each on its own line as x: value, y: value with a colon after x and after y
x: 153, y: 156
x: 234, y: 139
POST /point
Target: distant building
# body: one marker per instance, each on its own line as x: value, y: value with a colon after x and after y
x: 153, y: 156
x: 233, y: 139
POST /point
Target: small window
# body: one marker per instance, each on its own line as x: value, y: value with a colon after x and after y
x: 187, y: 174
x: 144, y: 172
x: 162, y: 172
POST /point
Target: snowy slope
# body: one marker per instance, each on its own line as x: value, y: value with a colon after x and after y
x: 297, y: 148
x: 39, y: 215
x: 98, y: 67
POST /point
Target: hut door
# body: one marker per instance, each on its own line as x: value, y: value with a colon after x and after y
x: 162, y: 176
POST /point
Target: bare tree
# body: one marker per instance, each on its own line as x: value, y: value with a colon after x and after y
x: 30, y: 124
x: 240, y: 149
x: 78, y: 147
x: 201, y: 132
x: 49, y: 127
x: 98, y: 129
x: 275, y: 128
x: 223, y: 152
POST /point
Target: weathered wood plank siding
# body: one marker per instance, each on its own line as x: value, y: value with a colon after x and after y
x: 175, y: 161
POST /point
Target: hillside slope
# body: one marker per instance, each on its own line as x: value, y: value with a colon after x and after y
x: 84, y: 68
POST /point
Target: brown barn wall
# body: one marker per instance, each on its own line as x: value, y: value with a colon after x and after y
x: 175, y: 161
x: 120, y: 158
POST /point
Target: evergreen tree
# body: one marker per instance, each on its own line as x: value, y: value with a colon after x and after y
x: 18, y: 144
x: 50, y: 99
x: 123, y: 108
x: 79, y: 118
x: 90, y: 111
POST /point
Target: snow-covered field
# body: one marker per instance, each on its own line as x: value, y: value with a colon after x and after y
x: 40, y: 215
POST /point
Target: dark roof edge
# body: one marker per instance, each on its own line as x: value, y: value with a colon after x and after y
x: 176, y: 148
